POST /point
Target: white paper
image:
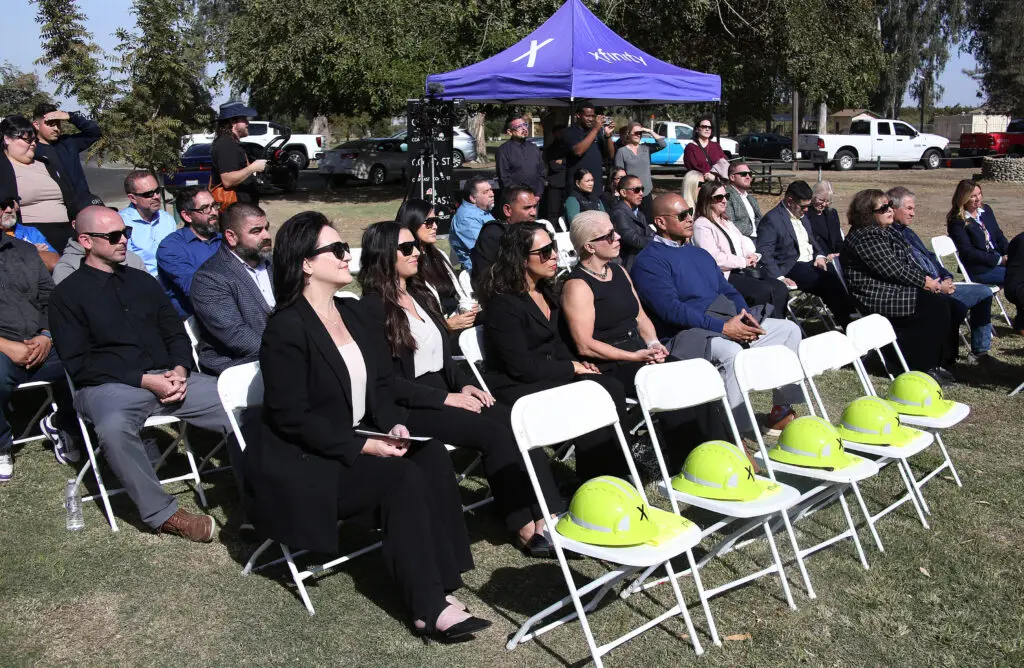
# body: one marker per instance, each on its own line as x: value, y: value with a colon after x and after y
x: 377, y: 434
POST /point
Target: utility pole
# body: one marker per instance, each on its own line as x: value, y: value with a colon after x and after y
x: 796, y: 129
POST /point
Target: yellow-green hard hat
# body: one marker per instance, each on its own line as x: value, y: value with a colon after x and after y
x: 813, y: 442
x: 609, y: 511
x: 917, y: 393
x: 874, y: 421
x: 718, y: 470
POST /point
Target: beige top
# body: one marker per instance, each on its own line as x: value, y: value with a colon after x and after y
x: 803, y: 241
x: 357, y: 375
x: 429, y: 355
x: 41, y: 199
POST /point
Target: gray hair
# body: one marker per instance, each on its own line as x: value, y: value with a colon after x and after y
x: 899, y: 195
x: 585, y: 226
x: 821, y: 188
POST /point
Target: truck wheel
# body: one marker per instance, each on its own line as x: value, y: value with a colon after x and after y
x: 297, y: 158
x: 377, y: 175
x: 844, y: 161
x: 786, y: 155
x: 932, y: 159
x: 457, y: 159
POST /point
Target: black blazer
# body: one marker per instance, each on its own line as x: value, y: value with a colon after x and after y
x: 633, y: 229
x: 776, y: 241
x: 522, y: 346
x: 1015, y: 270
x: 970, y: 242
x: 292, y: 473
x: 826, y: 230
x: 409, y: 392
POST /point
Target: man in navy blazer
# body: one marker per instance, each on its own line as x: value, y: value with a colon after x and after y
x: 232, y: 292
x: 790, y: 252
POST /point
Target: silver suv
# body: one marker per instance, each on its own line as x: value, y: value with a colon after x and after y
x: 463, y: 144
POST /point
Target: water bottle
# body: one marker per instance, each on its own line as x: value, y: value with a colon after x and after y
x: 73, y: 504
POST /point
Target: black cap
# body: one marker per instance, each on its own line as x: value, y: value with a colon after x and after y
x: 230, y: 110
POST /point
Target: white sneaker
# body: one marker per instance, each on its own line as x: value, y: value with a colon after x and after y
x: 6, y: 467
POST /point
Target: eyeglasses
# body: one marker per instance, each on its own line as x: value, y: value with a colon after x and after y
x: 635, y: 189
x: 27, y: 137
x: 406, y: 247
x: 206, y: 209
x: 610, y: 237
x: 517, y: 126
x: 885, y: 208
x: 545, y: 253
x: 430, y: 222
x: 8, y: 203
x: 146, y: 194
x: 111, y: 237
x: 704, y: 127
x: 744, y: 174
x: 339, y: 249
x: 723, y: 197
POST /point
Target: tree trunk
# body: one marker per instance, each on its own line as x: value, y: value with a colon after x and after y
x: 320, y: 126
x: 822, y: 118
x: 475, y: 127
x: 796, y: 129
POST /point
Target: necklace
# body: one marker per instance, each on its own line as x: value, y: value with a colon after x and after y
x: 602, y: 276
x: 327, y: 320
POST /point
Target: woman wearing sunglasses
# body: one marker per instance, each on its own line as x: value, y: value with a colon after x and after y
x: 441, y: 400
x: 581, y: 196
x: 703, y: 154
x: 334, y: 442
x: 48, y: 201
x: 525, y: 349
x: 733, y: 251
x: 883, y: 277
x: 435, y: 270
x: 634, y: 156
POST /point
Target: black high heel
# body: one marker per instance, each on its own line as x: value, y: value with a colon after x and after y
x: 537, y: 547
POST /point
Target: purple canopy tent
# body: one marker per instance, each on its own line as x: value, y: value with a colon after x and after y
x: 574, y: 56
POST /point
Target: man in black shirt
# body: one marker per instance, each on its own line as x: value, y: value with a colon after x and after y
x: 231, y: 167
x: 520, y: 206
x: 129, y: 357
x: 518, y: 162
x: 588, y: 143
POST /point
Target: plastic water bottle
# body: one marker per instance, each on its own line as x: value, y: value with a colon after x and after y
x: 73, y: 504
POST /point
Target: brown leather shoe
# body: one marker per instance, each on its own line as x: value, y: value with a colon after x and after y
x: 774, y: 428
x: 195, y: 527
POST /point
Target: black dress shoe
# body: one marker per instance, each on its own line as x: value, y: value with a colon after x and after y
x: 538, y: 547
x: 455, y: 632
x: 943, y: 377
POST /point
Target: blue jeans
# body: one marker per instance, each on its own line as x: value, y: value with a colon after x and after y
x: 993, y: 276
x: 12, y: 375
x: 977, y: 298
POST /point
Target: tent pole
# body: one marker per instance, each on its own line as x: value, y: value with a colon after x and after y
x: 718, y: 122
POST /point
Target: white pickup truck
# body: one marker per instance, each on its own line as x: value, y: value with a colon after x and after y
x: 299, y: 150
x: 677, y: 136
x: 875, y: 140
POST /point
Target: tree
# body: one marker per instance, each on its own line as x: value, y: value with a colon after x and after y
x: 74, y: 60
x: 997, y: 41
x: 19, y: 91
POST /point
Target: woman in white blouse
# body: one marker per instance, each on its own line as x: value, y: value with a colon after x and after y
x: 442, y: 401
x: 733, y: 252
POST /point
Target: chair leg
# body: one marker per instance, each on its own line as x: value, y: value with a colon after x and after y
x: 192, y: 464
x: 867, y: 517
x: 297, y: 578
x: 799, y: 555
x: 695, y: 573
x: 1018, y: 389
x: 853, y: 531
x: 685, y: 612
x: 1002, y: 308
x: 915, y: 495
x: 94, y: 464
x: 49, y: 403
x: 255, y: 555
x: 778, y: 564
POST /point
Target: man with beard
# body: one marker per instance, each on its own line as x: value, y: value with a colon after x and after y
x: 233, y: 291
x: 10, y: 226
x: 519, y: 162
x: 183, y: 251
x: 232, y: 172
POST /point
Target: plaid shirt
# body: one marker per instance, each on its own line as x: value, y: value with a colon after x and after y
x: 880, y: 271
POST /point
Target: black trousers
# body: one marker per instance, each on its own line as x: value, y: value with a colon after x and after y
x: 1015, y: 293
x: 647, y: 206
x: 930, y: 337
x: 489, y: 432
x: 761, y: 291
x: 57, y: 234
x: 554, y: 197
x: 825, y: 285
x: 426, y: 547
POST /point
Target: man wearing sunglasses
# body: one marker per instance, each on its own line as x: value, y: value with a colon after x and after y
x: 183, y: 251
x: 128, y: 355
x: 742, y: 209
x: 145, y: 215
x: 517, y: 160
x: 10, y: 226
x: 791, y: 253
x: 629, y: 220
x: 66, y: 150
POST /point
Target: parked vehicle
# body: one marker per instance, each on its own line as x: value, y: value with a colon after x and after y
x: 537, y: 141
x: 196, y: 164
x: 677, y: 136
x: 299, y: 150
x: 994, y: 143
x: 464, y: 146
x: 376, y: 160
x: 767, y: 146
x: 871, y: 140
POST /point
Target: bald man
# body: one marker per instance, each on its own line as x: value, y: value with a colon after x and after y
x: 697, y: 313
x: 127, y: 353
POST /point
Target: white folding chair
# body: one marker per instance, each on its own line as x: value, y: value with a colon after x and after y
x: 567, y: 257
x: 554, y: 416
x: 50, y: 403
x: 831, y: 351
x: 874, y: 332
x: 812, y: 303
x: 346, y: 294
x: 190, y: 329
x: 466, y: 283
x: 771, y: 367
x: 193, y: 339
x: 561, y: 224
x: 153, y: 421
x: 353, y: 262
x: 943, y: 246
x: 685, y: 384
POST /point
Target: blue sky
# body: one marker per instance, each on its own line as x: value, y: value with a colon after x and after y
x: 21, y: 46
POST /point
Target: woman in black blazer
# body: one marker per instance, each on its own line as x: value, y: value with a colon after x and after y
x: 326, y: 375
x: 525, y: 350
x: 442, y: 400
x: 982, y: 246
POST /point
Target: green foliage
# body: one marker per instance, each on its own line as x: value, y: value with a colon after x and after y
x: 997, y: 42
x: 74, y: 60
x: 19, y: 91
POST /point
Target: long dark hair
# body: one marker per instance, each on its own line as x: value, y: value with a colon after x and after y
x: 433, y: 265
x: 574, y: 191
x: 295, y: 241
x: 378, y: 275
x: 704, y: 193
x: 508, y: 273
x: 861, y: 212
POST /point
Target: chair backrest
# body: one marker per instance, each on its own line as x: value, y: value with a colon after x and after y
x: 767, y: 368
x: 944, y: 247
x: 193, y: 340
x: 547, y: 224
x: 567, y: 257
x: 353, y: 263
x: 465, y: 281
x: 240, y: 387
x: 675, y: 385
x: 837, y: 268
x: 872, y: 332
x: 347, y: 294
x: 825, y: 352
x: 561, y: 224
x: 472, y: 343
x: 562, y: 413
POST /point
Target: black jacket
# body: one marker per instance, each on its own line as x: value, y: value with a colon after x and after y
x: 826, y: 230
x: 67, y: 152
x: 633, y: 229
x: 73, y: 203
x: 25, y: 293
x: 485, y: 252
x: 292, y: 472
x: 970, y: 242
x: 1014, y: 284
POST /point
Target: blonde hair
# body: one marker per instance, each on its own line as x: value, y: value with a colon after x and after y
x: 584, y: 227
x: 691, y: 183
x: 963, y: 193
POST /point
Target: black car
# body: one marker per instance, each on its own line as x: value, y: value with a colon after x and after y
x: 766, y: 145
x: 196, y: 164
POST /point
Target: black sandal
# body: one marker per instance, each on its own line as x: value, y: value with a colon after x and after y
x: 538, y: 547
x: 455, y: 632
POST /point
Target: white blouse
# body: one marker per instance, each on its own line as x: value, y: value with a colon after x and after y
x: 429, y: 355
x: 357, y: 375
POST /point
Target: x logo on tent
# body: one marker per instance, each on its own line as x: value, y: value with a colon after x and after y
x: 532, y: 53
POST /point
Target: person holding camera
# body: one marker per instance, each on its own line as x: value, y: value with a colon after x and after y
x: 635, y: 157
x: 588, y: 143
x: 233, y: 177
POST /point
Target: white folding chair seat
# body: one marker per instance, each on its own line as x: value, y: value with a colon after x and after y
x: 190, y: 329
x: 50, y: 403
x: 554, y: 416
x: 771, y: 367
x: 685, y: 384
x: 943, y: 246
x: 834, y: 350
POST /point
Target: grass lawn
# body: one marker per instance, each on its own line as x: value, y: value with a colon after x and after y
x: 952, y: 596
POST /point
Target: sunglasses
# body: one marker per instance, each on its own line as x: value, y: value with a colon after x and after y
x: 742, y: 173
x: 610, y: 237
x: 704, y: 127
x: 720, y: 198
x: 431, y: 222
x: 636, y: 189
x: 685, y: 213
x: 636, y: 134
x: 339, y: 249
x: 206, y: 209
x: 884, y: 208
x: 545, y: 253
x: 111, y: 237
x: 406, y: 247
x: 146, y: 194
x: 27, y: 137
x: 8, y: 203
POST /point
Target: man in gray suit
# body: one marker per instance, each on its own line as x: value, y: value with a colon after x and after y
x: 742, y: 209
x: 232, y: 292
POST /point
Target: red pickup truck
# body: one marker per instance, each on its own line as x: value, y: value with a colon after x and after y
x: 994, y: 143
